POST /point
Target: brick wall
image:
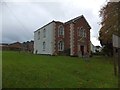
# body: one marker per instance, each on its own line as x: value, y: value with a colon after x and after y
x: 81, y: 22
x: 57, y: 39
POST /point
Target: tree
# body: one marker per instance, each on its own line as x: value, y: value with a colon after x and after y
x: 109, y: 14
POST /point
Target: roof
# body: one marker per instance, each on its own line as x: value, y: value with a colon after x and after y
x: 74, y: 19
x: 44, y: 26
x: 68, y: 22
x: 15, y: 43
x: 77, y: 18
x: 48, y: 24
x: 3, y: 43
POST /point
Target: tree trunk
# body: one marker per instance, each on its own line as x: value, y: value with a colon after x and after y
x: 115, y: 62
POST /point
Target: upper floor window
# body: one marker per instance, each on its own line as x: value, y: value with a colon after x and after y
x: 60, y: 46
x: 44, y: 46
x: 44, y: 33
x: 60, y: 30
x: 38, y: 35
x: 81, y: 32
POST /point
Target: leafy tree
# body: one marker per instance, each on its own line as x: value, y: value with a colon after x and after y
x: 109, y: 25
x: 110, y: 15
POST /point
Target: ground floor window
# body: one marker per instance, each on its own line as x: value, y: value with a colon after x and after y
x: 44, y: 46
x: 60, y: 46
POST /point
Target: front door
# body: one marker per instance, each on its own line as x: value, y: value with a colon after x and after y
x: 82, y: 50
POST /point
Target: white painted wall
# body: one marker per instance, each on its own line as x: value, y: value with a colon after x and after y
x: 49, y: 40
x: 93, y: 48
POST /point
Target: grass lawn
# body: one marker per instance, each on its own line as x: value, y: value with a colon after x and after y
x: 23, y: 70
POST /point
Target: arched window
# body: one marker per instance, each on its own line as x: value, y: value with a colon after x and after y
x: 84, y: 33
x: 81, y: 32
x: 44, y: 46
x: 60, y: 46
x: 60, y: 30
x: 38, y: 35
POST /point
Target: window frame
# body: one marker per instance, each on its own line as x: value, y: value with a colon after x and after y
x: 61, y: 45
x: 44, y: 46
x: 82, y: 32
x: 61, y: 30
x: 44, y: 33
x: 38, y: 35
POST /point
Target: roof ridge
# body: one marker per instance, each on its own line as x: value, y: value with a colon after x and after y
x: 76, y: 18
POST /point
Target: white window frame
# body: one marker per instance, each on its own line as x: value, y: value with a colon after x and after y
x: 60, y: 46
x: 61, y: 31
x: 38, y: 35
x: 81, y: 32
x: 44, y: 33
x: 44, y: 46
x: 84, y: 33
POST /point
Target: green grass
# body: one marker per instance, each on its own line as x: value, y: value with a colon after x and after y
x: 0, y: 69
x: 23, y: 70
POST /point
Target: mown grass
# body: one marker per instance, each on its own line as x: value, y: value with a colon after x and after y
x: 23, y: 70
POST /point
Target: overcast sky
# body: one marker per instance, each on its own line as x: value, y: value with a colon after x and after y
x: 20, y: 18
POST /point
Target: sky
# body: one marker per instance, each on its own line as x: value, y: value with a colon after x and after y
x: 20, y: 18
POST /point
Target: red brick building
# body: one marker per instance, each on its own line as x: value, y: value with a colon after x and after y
x: 17, y: 46
x: 70, y: 38
x: 27, y: 46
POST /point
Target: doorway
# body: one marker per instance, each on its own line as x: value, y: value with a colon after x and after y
x: 82, y: 50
